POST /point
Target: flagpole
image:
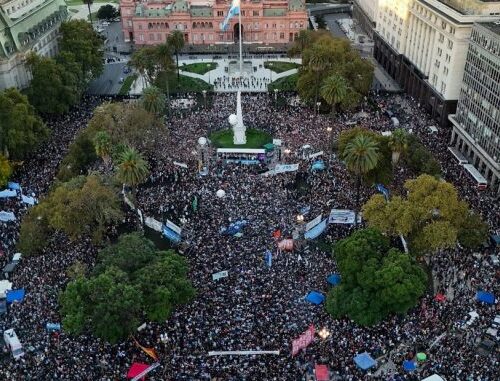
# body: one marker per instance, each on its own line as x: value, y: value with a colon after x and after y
x: 241, y: 53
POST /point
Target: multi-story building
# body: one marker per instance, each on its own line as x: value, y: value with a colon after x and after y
x: 365, y: 12
x: 27, y: 25
x: 476, y: 124
x: 263, y: 21
x: 422, y: 44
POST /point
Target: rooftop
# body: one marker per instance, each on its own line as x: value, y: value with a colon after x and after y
x: 492, y: 26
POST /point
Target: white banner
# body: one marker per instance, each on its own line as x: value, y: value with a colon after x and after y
x: 219, y: 275
x: 183, y: 165
x: 312, y: 156
x: 173, y: 227
x: 343, y: 216
x: 281, y: 168
x: 277, y: 142
x: 313, y: 223
x: 156, y: 225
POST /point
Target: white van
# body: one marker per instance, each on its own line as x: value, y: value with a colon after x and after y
x: 13, y: 343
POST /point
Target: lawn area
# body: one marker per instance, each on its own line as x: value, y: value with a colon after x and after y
x: 255, y: 139
x: 280, y: 66
x: 199, y: 68
x: 186, y: 84
x: 288, y: 83
x: 94, y: 16
x: 127, y: 84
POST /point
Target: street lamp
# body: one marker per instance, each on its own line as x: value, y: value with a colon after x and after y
x: 204, y: 92
x: 324, y: 333
x: 275, y: 98
x: 317, y: 107
x: 329, y: 129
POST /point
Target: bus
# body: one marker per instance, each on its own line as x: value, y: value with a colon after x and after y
x: 480, y: 180
x: 460, y: 158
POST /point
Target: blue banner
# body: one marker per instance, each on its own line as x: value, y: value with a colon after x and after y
x: 317, y: 230
x: 171, y: 235
x: 268, y: 258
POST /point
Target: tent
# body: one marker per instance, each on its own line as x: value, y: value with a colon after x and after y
x: 315, y: 297
x: 334, y: 279
x: 322, y: 373
x: 409, y: 366
x: 434, y: 377
x: 136, y: 369
x: 268, y: 146
x: 364, y: 361
x: 15, y: 295
x: 485, y: 297
x: 421, y: 356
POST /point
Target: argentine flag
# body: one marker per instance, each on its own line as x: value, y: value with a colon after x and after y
x: 233, y: 11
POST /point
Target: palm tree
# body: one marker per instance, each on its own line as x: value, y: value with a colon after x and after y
x: 334, y: 90
x: 361, y: 156
x: 319, y: 61
x: 164, y: 58
x: 132, y: 168
x: 398, y: 142
x: 138, y: 62
x: 103, y: 146
x: 303, y: 39
x: 89, y: 3
x: 176, y: 41
x: 153, y: 100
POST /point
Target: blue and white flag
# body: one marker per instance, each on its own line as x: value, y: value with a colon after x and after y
x: 233, y: 11
x: 268, y: 257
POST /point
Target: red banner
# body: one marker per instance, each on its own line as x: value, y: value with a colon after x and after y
x: 303, y: 341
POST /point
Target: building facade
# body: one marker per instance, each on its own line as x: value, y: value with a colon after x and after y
x: 422, y: 44
x: 365, y: 12
x: 263, y: 21
x: 476, y: 124
x: 27, y: 25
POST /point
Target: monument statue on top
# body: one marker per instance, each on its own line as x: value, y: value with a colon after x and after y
x: 239, y: 129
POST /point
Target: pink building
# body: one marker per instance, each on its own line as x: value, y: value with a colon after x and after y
x: 149, y: 22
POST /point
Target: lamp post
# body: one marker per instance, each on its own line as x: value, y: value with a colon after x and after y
x: 204, y: 92
x: 317, y: 107
x: 275, y: 98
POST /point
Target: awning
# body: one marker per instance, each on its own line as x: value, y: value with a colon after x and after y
x: 364, y: 361
x: 485, y: 297
x: 15, y: 295
x: 409, y: 366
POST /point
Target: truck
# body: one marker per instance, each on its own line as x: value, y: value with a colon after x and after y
x: 13, y: 343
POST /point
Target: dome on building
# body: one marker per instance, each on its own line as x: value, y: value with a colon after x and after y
x: 180, y: 6
x: 296, y: 5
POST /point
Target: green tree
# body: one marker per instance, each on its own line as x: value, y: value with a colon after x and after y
x: 361, y: 156
x: 129, y: 125
x: 5, y: 170
x: 176, y: 41
x: 81, y: 206
x: 103, y: 145
x: 34, y: 232
x: 53, y: 90
x: 107, y: 12
x: 132, y: 168
x: 430, y: 216
x: 376, y: 280
x: 164, y: 57
x: 398, y: 142
x: 153, y: 100
x: 81, y: 154
x: 79, y: 38
x: 334, y: 90
x: 473, y: 232
x: 21, y: 130
x: 419, y: 159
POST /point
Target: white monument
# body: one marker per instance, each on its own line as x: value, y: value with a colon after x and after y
x: 236, y: 121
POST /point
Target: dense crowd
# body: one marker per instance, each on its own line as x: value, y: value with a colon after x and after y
x: 255, y: 307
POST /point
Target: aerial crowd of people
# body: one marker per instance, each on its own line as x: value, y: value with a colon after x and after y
x: 257, y: 306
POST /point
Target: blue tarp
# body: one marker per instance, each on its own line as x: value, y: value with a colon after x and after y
x: 334, y: 279
x: 315, y: 297
x: 171, y: 235
x: 317, y: 230
x: 234, y: 228
x: 383, y: 190
x: 15, y: 186
x: 7, y: 216
x: 485, y: 297
x: 15, y: 295
x: 409, y: 365
x: 8, y: 193
x: 318, y: 165
x: 364, y: 361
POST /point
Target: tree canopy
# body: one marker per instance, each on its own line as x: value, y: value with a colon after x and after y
x: 419, y: 159
x: 107, y: 12
x: 81, y: 206
x: 377, y: 280
x: 131, y: 279
x: 327, y: 63
x: 431, y: 216
x: 5, y: 170
x: 21, y: 130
